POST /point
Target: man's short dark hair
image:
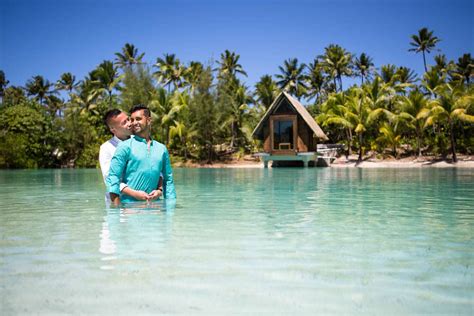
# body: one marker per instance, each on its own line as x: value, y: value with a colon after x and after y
x: 110, y: 115
x: 139, y: 107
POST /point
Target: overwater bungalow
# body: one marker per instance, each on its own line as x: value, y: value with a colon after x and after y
x: 289, y: 133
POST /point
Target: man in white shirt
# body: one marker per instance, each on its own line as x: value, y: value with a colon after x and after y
x: 118, y: 123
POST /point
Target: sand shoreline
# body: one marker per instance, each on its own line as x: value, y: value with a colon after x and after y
x: 342, y: 162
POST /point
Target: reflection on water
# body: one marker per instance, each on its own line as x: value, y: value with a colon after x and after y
x: 133, y: 221
x: 284, y: 241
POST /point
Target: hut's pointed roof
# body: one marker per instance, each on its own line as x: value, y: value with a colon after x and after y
x: 299, y: 108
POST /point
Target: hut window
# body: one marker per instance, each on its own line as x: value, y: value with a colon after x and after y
x: 282, y: 135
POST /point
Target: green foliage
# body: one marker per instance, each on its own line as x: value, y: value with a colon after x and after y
x: 22, y: 140
x: 205, y: 114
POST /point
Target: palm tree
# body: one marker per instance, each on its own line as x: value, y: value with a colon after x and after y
x: 39, y: 87
x: 129, y: 56
x: 266, y: 91
x: 106, y: 78
x: 3, y: 85
x: 292, y: 78
x: 316, y: 80
x: 406, y: 75
x: 238, y: 113
x: 192, y: 75
x: 361, y: 114
x: 67, y: 82
x: 170, y: 71
x: 54, y: 104
x: 388, y: 74
x: 337, y: 62
x: 334, y: 111
x: 185, y: 133
x: 464, y: 68
x: 412, y: 111
x: 390, y: 135
x: 364, y: 66
x: 423, y: 42
x: 452, y: 104
x: 229, y: 65
x: 84, y: 102
x: 432, y: 79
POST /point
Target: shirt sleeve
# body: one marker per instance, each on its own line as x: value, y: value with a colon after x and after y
x: 168, y: 183
x: 104, y: 161
x: 117, y: 166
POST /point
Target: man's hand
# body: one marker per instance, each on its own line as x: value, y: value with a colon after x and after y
x: 141, y: 195
x: 137, y: 195
x: 115, y: 198
x: 155, y: 194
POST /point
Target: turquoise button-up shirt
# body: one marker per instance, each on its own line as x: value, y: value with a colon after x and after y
x: 140, y: 166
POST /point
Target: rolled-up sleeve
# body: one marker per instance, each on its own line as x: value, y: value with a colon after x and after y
x: 117, y: 165
x: 168, y: 183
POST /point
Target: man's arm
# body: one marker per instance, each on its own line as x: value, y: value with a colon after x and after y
x: 104, y: 161
x: 117, y: 166
x: 169, y: 191
x: 105, y: 157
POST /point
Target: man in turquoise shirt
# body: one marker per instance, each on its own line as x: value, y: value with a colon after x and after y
x: 138, y: 162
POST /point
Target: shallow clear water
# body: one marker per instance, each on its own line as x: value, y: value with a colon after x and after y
x: 285, y: 241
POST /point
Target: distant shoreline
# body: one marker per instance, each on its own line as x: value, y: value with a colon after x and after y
x: 464, y: 161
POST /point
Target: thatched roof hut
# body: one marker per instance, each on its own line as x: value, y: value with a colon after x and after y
x: 287, y: 128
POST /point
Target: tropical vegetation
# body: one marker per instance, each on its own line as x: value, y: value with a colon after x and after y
x: 206, y: 112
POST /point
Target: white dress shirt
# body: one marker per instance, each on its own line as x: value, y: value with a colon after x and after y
x: 106, y: 152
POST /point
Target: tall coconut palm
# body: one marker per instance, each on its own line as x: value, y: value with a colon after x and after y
x: 452, y: 104
x: 170, y: 71
x: 412, y: 111
x: 337, y: 62
x: 464, y: 69
x: 39, y: 87
x: 237, y: 114
x: 85, y: 101
x: 292, y: 78
x: 266, y: 91
x: 106, y: 78
x: 129, y: 56
x: 192, y: 75
x: 316, y: 80
x: 67, y: 82
x: 229, y: 65
x: 423, y: 42
x: 364, y: 66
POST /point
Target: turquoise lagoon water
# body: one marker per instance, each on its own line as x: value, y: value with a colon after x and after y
x: 250, y: 241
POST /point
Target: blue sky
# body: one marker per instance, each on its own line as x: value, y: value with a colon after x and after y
x: 49, y: 38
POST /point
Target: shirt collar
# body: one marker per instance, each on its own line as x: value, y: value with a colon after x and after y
x: 143, y: 140
x: 115, y: 141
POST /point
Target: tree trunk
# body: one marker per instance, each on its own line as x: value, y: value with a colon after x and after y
x: 418, y: 141
x: 232, y: 139
x: 360, y: 148
x: 424, y: 61
x: 349, y: 141
x: 453, y: 143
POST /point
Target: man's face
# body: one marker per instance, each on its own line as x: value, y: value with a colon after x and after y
x: 139, y: 122
x: 120, y: 126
